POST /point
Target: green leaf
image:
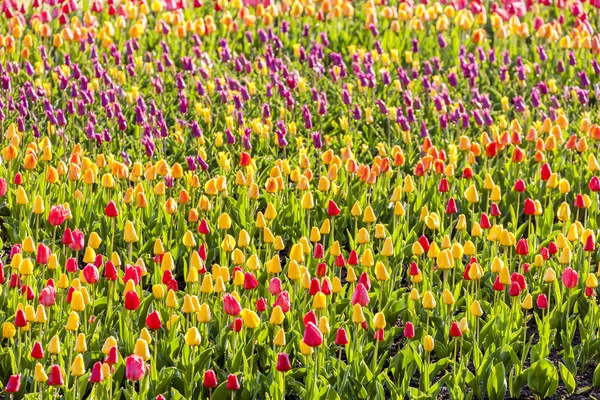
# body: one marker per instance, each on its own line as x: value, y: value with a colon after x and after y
x: 543, y: 378
x: 596, y: 380
x: 567, y: 378
x: 496, y: 383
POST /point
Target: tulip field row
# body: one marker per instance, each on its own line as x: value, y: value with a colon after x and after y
x: 299, y: 199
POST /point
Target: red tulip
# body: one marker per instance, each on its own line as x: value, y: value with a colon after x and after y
x: 283, y: 301
x: 15, y: 281
x: 544, y: 253
x: 569, y: 278
x: 20, y: 319
x: 111, y: 210
x: 315, y: 287
x: 498, y: 286
x: 518, y: 155
x: 424, y: 242
x: 202, y: 252
x: 231, y: 305
x: 58, y: 215
x: 132, y: 300
x: 318, y: 252
x: 519, y: 279
x: 78, y: 240
x: 245, y: 159
x: 326, y: 287
x: 71, y: 265
x: 97, y: 376
x: 18, y: 178
x: 467, y: 173
x: 312, y: 335
x: 455, y: 330
x: 542, y: 301
x: 134, y: 368
x: 514, y: 289
x: 250, y: 281
x: 332, y: 209
x: 236, y: 325
x: 529, y: 207
x: 491, y: 150
x: 520, y: 186
x: 203, y: 227
x: 353, y: 258
x: 340, y: 261
x: 310, y: 317
x: 167, y: 276
x: 29, y: 291
x: 56, y: 376
x: 275, y: 286
x: 545, y: 172
x: 3, y: 187
x: 43, y: 254
x: 15, y: 249
x: 341, y: 337
x: 132, y: 272
x: 522, y: 247
x: 379, y: 335
x: 261, y: 305
x: 552, y: 248
x: 283, y: 363
x: 90, y: 273
x: 36, y: 351
x: 210, y: 379
x: 48, y: 296
x: 113, y: 356
x: 110, y: 272
x: 413, y: 269
x: 232, y: 382
x: 494, y: 210
x: 466, y: 273
x: 590, y: 244
x: 365, y: 281
x: 360, y: 295
x: 579, y: 203
x: 444, y: 186
x: 153, y: 321
x: 409, y: 330
x: 451, y: 207
x: 484, y: 221
x: 14, y: 384
x: 594, y: 184
x: 67, y: 237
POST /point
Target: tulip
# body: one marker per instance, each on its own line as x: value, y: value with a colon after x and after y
x: 569, y: 278
x: 192, y: 337
x: 210, y: 379
x: 409, y: 330
x: 251, y: 320
x: 132, y: 300
x: 97, y: 375
x: 312, y: 336
x: 134, y: 368
x: 283, y: 363
x: 78, y: 367
x: 14, y: 384
x: 231, y: 305
x: 232, y: 382
x: 56, y: 376
x: 39, y: 375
